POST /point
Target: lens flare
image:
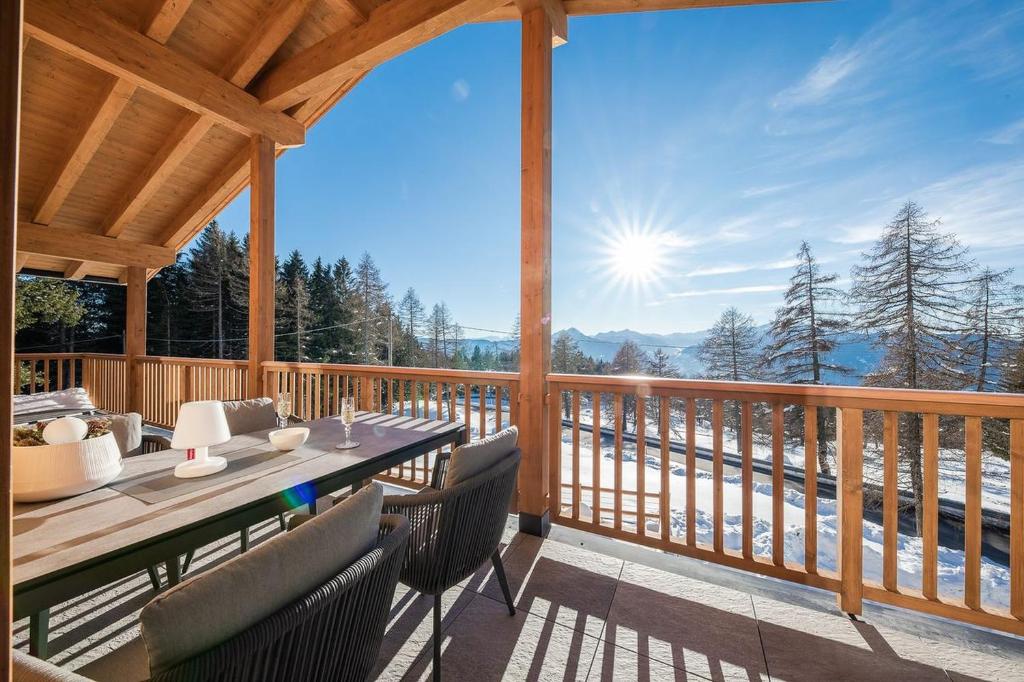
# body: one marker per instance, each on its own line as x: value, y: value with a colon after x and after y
x: 635, y: 257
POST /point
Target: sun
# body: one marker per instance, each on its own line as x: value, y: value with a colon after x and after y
x: 634, y: 257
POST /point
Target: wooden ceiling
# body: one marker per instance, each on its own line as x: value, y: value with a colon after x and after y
x: 137, y: 115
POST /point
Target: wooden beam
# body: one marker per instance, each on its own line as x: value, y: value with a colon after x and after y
x: 392, y: 29
x: 76, y: 269
x: 10, y: 111
x: 66, y: 243
x: 88, y: 139
x: 535, y: 273
x: 233, y: 177
x: 262, y: 265
x: 135, y: 334
x: 19, y: 263
x: 159, y: 26
x: 556, y: 15
x: 510, y: 12
x: 78, y: 28
x: 164, y: 18
x: 273, y: 29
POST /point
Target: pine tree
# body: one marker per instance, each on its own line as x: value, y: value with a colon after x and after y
x: 630, y: 359
x: 566, y: 358
x: 370, y: 296
x: 909, y: 295
x: 214, y: 271
x: 991, y: 316
x: 731, y: 352
x: 443, y: 333
x: 802, y: 337
x: 166, y: 298
x: 410, y: 318
x: 293, y: 311
x: 344, y: 317
x: 661, y: 366
x: 324, y: 306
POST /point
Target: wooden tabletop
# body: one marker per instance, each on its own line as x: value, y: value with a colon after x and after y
x: 55, y: 537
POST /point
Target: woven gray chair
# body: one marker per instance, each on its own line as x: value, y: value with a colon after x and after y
x: 334, y: 633
x: 454, y: 531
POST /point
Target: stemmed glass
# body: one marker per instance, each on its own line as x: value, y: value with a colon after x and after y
x: 284, y: 409
x: 348, y: 417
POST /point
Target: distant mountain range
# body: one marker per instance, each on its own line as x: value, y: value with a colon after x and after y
x: 854, y: 351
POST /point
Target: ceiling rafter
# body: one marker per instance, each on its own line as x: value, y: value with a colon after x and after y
x: 510, y: 12
x: 392, y: 29
x: 556, y: 15
x: 159, y: 27
x: 234, y: 176
x: 277, y: 23
x: 78, y: 28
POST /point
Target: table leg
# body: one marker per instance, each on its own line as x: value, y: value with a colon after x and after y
x: 39, y: 633
x: 243, y: 538
x: 173, y: 571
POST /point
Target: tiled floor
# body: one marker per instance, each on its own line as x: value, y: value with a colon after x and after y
x: 595, y: 609
x: 585, y: 615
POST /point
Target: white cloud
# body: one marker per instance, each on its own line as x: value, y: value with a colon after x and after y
x: 1010, y: 134
x: 753, y: 289
x: 754, y: 192
x: 825, y: 77
x: 731, y: 269
x: 460, y: 90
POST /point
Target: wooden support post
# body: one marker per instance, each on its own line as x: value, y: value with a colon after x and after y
x: 535, y: 266
x: 10, y: 107
x: 135, y: 336
x: 850, y: 505
x: 262, y: 266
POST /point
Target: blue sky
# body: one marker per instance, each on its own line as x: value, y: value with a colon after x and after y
x: 722, y: 137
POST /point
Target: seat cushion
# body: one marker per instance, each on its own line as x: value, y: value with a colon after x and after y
x: 469, y: 460
x: 213, y: 607
x: 127, y: 430
x: 246, y: 416
x: 126, y: 663
x: 30, y: 669
x: 69, y: 401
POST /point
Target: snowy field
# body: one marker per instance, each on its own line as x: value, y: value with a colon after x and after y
x: 995, y: 480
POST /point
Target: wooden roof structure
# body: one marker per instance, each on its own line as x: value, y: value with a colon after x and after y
x: 136, y: 115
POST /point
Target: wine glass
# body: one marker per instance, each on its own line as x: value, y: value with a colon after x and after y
x: 348, y: 417
x: 284, y: 409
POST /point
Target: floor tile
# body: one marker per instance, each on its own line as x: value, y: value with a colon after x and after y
x: 804, y: 644
x: 485, y: 643
x: 704, y: 630
x: 613, y: 663
x: 572, y: 586
x: 411, y: 627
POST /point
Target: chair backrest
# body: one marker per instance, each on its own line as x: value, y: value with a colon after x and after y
x: 246, y: 416
x: 334, y: 633
x: 456, y: 529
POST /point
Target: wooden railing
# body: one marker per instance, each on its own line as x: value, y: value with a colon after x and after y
x: 165, y: 383
x: 747, y: 446
x: 635, y: 499
x: 485, y: 401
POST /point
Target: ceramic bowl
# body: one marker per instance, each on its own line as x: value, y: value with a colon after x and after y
x: 290, y: 438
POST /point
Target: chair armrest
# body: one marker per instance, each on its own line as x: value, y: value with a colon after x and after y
x: 296, y: 520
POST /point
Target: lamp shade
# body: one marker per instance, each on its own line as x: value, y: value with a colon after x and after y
x: 200, y: 424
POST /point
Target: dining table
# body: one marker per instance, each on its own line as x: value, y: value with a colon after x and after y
x: 145, y: 517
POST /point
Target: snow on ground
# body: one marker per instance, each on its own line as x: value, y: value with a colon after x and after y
x: 995, y: 478
x: 994, y: 577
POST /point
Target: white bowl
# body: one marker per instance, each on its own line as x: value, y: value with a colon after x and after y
x: 51, y: 472
x: 290, y: 438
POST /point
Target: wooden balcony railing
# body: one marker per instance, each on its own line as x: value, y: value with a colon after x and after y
x: 486, y: 401
x: 697, y: 468
x: 633, y: 478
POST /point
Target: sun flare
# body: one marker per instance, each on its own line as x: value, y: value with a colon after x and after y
x: 635, y: 257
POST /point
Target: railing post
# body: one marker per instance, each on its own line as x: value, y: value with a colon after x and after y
x: 366, y: 394
x: 850, y: 506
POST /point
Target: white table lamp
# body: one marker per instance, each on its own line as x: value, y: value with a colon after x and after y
x: 200, y: 424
